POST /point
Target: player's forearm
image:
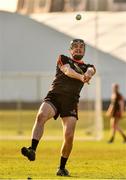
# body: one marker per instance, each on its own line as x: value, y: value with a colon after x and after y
x: 110, y: 108
x: 73, y: 74
x: 122, y: 106
x: 68, y: 71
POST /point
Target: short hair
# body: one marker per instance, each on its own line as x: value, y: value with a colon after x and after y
x: 76, y: 41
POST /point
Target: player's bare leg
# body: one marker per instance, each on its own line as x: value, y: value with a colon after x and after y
x: 121, y: 131
x: 113, y: 124
x: 44, y: 114
x: 115, y: 127
x: 69, y: 124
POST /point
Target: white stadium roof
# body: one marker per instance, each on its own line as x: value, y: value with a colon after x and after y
x: 111, y: 29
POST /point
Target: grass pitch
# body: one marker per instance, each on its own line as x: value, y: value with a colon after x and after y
x: 88, y: 160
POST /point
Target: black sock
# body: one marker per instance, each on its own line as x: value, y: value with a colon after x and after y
x: 124, y: 136
x: 63, y: 162
x: 34, y: 144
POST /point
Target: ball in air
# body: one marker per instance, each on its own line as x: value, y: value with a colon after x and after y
x: 78, y: 17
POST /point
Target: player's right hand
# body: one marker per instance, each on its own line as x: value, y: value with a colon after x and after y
x: 86, y: 78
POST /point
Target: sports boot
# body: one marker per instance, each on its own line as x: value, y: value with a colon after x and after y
x: 29, y: 153
x: 62, y: 172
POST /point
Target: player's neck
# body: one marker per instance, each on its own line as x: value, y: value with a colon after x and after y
x: 78, y: 61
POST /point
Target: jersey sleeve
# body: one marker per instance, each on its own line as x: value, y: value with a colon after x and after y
x: 62, y: 60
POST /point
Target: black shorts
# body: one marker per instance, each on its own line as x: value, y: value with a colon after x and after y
x: 62, y: 104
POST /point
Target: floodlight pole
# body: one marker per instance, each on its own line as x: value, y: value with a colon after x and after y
x: 98, y: 102
x: 96, y: 34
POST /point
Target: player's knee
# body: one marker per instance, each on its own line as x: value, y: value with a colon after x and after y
x: 69, y: 137
x: 114, y: 125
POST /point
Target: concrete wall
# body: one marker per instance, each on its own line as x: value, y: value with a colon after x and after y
x: 26, y: 45
x: 29, y: 47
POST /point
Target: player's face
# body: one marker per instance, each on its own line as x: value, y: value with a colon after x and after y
x: 115, y: 87
x: 77, y: 51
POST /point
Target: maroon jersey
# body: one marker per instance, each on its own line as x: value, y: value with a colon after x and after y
x: 116, y: 105
x: 63, y: 84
